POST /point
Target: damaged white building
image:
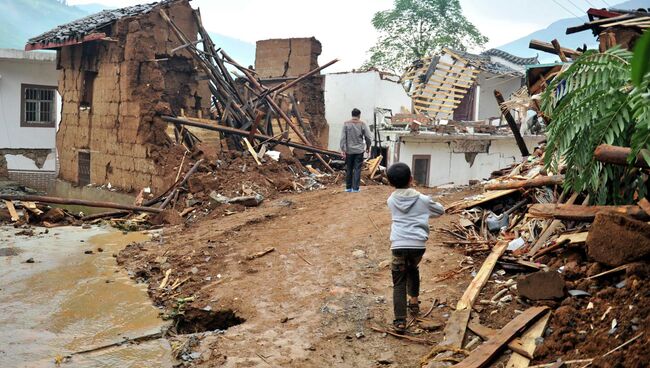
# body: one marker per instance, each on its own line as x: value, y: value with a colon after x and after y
x: 29, y: 116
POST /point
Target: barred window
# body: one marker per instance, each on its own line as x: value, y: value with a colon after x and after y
x: 38, y: 106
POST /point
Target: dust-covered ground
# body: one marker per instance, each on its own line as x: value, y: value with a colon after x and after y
x: 315, y: 299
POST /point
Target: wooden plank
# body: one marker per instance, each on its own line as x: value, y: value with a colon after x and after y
x: 435, y: 98
x: 433, y: 104
x: 252, y: 151
x: 449, y: 83
x: 482, y: 355
x: 464, y: 68
x: 626, y: 22
x: 457, y: 325
x: 539, y: 181
x: 528, y: 341
x: 430, y: 88
x: 12, y: 211
x: 471, y: 294
x: 583, y: 213
x: 487, y: 333
x: 480, y: 199
x: 549, y: 230
x: 375, y: 165
x: 575, y: 238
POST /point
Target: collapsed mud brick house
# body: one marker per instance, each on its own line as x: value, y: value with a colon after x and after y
x: 281, y: 60
x: 119, y: 72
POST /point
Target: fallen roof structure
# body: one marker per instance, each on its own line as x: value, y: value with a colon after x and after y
x: 438, y: 84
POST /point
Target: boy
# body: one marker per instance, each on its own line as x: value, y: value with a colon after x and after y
x: 353, y: 135
x: 410, y: 211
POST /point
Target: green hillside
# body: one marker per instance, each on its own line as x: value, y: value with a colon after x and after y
x: 23, y: 19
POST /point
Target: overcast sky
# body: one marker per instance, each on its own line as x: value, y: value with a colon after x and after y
x: 343, y: 26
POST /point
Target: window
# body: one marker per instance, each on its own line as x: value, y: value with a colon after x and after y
x: 87, y: 90
x: 38, y: 106
x: 421, y: 169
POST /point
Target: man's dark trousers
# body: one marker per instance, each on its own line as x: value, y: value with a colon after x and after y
x: 353, y: 162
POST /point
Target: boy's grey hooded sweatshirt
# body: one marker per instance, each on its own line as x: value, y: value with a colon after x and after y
x: 411, y: 211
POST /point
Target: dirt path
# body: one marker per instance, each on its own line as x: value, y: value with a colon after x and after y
x: 311, y: 302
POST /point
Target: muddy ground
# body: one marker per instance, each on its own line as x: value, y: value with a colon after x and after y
x: 311, y: 302
x: 316, y: 300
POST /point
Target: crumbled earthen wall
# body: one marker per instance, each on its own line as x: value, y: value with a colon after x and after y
x: 277, y: 58
x: 138, y: 79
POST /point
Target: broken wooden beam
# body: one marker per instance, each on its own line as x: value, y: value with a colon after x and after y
x: 245, y: 133
x: 529, y: 343
x: 79, y: 202
x: 487, y: 333
x: 512, y: 124
x: 172, y: 194
x: 583, y: 213
x: 618, y: 156
x: 559, y: 51
x: 540, y: 181
x: 548, y: 47
x: 482, y: 355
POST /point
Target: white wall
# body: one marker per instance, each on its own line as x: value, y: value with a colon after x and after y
x: 40, y: 70
x: 506, y: 84
x: 448, y: 167
x: 365, y: 91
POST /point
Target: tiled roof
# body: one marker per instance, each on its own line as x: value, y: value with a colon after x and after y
x: 511, y: 58
x: 78, y: 29
x: 484, y: 61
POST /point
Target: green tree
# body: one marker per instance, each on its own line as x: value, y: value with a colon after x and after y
x: 416, y: 28
x: 593, y: 102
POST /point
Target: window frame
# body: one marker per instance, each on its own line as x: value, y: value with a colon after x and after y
x: 428, y: 173
x: 23, y: 118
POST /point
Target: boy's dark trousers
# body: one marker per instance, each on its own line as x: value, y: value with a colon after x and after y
x: 353, y: 162
x: 406, y: 277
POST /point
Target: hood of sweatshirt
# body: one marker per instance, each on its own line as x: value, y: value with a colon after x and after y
x: 404, y: 199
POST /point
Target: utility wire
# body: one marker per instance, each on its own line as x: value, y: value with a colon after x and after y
x: 575, y: 6
x: 606, y: 3
x: 590, y: 4
x: 565, y: 8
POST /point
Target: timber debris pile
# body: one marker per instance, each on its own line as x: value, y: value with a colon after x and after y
x: 553, y: 284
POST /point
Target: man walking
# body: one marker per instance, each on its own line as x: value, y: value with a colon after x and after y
x: 354, y: 133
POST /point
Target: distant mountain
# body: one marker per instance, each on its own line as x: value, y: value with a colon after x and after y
x: 21, y: 20
x: 557, y: 30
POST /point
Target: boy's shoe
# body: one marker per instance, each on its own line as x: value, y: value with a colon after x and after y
x: 348, y: 190
x: 356, y: 190
x: 399, y: 326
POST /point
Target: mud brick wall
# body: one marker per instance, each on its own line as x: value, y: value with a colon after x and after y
x: 137, y: 79
x: 278, y: 58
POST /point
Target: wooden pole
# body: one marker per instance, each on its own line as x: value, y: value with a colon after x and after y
x: 245, y: 133
x: 512, y: 123
x: 617, y: 155
x: 78, y: 202
x: 277, y: 108
x: 583, y: 213
x: 539, y: 181
x: 182, y: 182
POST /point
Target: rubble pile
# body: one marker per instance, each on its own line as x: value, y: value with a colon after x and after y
x: 585, y: 266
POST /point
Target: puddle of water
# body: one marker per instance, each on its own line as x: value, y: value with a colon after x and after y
x: 69, y: 301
